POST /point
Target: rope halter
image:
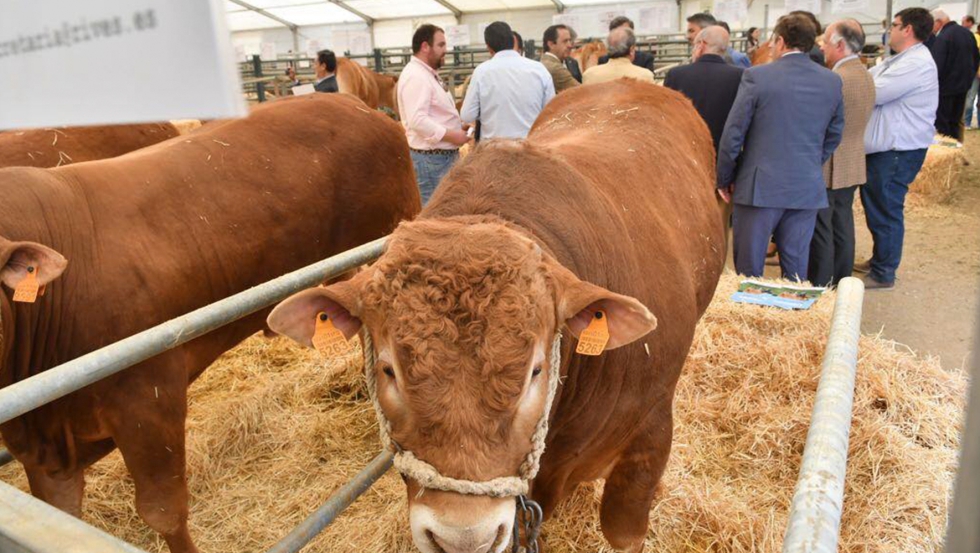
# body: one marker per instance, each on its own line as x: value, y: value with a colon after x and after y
x: 428, y: 476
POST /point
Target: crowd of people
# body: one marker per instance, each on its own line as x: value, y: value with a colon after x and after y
x: 795, y: 138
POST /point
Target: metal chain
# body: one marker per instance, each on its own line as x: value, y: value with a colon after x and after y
x: 529, y: 516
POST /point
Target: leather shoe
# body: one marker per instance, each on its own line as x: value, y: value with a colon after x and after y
x: 863, y: 266
x: 871, y: 283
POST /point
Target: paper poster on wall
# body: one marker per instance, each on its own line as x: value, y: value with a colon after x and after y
x: 774, y: 16
x: 457, y: 35
x: 849, y: 6
x: 606, y: 16
x: 359, y: 42
x: 658, y: 17
x: 812, y: 6
x: 312, y: 47
x: 566, y: 19
x: 105, y: 46
x: 267, y: 51
x: 480, y: 29
x: 731, y: 11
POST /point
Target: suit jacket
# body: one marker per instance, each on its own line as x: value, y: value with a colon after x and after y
x: 559, y: 73
x: 642, y: 59
x: 711, y: 84
x: 615, y: 69
x: 573, y: 68
x: 786, y: 121
x: 846, y: 166
x: 327, y: 85
x: 955, y: 51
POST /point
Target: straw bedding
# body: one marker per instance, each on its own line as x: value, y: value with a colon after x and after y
x: 274, y: 429
x: 940, y: 173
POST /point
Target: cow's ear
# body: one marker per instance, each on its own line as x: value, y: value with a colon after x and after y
x: 578, y: 301
x: 17, y: 259
x: 296, y: 316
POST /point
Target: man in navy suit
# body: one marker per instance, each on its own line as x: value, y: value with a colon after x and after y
x: 786, y: 122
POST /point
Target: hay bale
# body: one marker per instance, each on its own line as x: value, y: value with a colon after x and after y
x: 940, y: 173
x: 273, y: 430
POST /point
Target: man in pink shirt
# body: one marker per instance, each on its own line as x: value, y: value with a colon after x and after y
x: 432, y: 124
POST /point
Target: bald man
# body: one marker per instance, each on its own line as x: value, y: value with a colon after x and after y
x: 711, y: 84
x: 622, y: 51
x: 957, y: 59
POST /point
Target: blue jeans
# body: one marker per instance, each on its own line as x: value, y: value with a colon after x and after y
x: 429, y: 170
x: 790, y: 229
x: 971, y: 99
x: 883, y: 198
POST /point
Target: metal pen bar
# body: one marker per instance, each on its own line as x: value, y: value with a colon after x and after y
x: 329, y: 511
x: 814, y: 518
x: 29, y: 525
x: 57, y: 382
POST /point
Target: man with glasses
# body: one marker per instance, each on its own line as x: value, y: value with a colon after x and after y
x: 898, y: 135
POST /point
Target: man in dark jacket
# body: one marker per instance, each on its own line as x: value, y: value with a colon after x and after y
x: 709, y: 82
x: 957, y: 59
x: 786, y: 122
x: 642, y: 59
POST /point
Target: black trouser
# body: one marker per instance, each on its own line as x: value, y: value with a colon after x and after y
x: 949, y: 116
x: 832, y: 247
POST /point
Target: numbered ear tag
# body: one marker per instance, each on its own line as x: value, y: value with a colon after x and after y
x: 27, y: 289
x: 594, y: 338
x: 327, y: 339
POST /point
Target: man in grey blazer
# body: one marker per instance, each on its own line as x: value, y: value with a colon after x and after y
x: 786, y: 122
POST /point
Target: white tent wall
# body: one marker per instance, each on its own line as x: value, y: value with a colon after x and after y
x: 588, y: 21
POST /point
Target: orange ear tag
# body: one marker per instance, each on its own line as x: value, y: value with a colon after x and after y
x: 27, y: 288
x: 594, y: 338
x: 327, y: 339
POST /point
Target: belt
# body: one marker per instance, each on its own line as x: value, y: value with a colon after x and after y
x: 434, y: 152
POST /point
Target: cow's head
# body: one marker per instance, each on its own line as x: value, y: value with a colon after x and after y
x: 463, y: 312
x: 17, y: 261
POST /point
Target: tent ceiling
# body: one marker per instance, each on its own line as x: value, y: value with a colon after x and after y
x: 325, y: 12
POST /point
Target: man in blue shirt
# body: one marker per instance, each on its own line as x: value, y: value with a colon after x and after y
x: 897, y: 137
x: 738, y: 58
x: 507, y: 92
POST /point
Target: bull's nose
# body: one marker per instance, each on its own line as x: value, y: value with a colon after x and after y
x: 486, y: 532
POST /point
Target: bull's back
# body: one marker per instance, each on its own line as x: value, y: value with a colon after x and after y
x: 649, y: 161
x: 53, y: 147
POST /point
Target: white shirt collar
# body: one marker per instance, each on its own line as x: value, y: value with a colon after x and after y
x: 844, y: 60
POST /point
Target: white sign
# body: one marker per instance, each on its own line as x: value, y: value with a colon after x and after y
x: 565, y: 19
x: 267, y: 51
x: 312, y: 47
x: 731, y: 11
x: 58, y: 59
x: 457, y: 35
x: 812, y: 6
x: 303, y: 89
x: 658, y: 17
x: 606, y: 17
x: 849, y: 6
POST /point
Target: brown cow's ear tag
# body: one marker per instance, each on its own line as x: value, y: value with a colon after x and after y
x: 593, y: 340
x: 27, y: 289
x: 327, y: 339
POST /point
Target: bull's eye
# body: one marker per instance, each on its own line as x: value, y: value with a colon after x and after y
x: 536, y: 371
x: 388, y: 371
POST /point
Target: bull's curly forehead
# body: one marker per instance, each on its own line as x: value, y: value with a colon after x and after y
x: 464, y: 302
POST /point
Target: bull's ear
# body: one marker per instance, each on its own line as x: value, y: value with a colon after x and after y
x: 296, y: 316
x: 578, y: 301
x: 17, y: 258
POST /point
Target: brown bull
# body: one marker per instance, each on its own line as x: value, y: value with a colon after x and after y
x: 155, y: 234
x: 608, y: 206
x: 377, y: 91
x: 55, y: 147
x: 589, y: 53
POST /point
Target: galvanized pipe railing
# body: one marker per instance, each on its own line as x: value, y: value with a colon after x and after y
x: 57, y: 382
x: 335, y: 505
x: 814, y: 519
